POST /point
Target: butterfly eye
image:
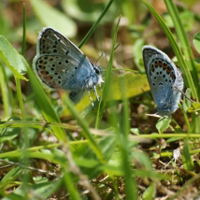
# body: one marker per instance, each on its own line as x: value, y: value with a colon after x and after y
x: 96, y: 69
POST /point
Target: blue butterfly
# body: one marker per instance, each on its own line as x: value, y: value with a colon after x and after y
x: 61, y: 64
x: 165, y: 80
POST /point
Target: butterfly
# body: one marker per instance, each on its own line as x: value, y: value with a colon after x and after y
x: 164, y: 78
x: 61, y: 64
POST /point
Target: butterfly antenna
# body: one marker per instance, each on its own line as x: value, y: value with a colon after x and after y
x: 184, y: 94
x: 102, y: 54
x: 146, y: 93
x: 114, y: 50
x: 99, y: 58
x: 186, y: 97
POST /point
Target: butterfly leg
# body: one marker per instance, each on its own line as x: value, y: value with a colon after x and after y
x: 91, y: 99
x: 95, y: 91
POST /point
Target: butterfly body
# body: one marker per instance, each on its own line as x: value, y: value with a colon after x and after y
x: 165, y: 80
x: 60, y: 64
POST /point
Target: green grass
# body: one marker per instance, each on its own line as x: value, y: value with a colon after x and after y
x: 49, y: 147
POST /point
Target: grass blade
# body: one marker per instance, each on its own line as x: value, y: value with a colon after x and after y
x: 24, y: 30
x: 188, y: 78
x: 171, y: 7
x: 87, y: 36
x: 131, y: 188
x: 83, y: 124
x: 45, y: 105
x: 106, y: 86
x: 4, y: 92
x: 12, y: 59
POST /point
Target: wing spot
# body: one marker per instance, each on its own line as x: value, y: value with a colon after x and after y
x: 169, y: 68
x: 155, y: 77
x: 160, y: 62
x: 164, y: 76
x: 66, y: 61
x: 164, y: 66
x: 48, y: 78
x: 56, y: 73
x: 156, y: 63
x: 44, y: 72
x: 166, y: 80
x: 66, y: 52
x: 59, y: 82
x: 59, y: 77
x: 168, y: 71
x: 154, y: 84
x: 76, y: 67
x: 55, y: 51
x: 60, y: 63
x: 173, y: 76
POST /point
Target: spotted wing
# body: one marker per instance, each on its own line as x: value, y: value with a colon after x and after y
x: 57, y: 71
x: 52, y: 42
x: 59, y: 63
x: 162, y: 75
x: 150, y: 52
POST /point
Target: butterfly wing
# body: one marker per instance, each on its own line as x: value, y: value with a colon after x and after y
x: 60, y: 64
x: 57, y: 71
x: 52, y: 42
x: 162, y: 76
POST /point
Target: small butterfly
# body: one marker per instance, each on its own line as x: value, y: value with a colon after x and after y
x: 61, y: 64
x: 165, y: 80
